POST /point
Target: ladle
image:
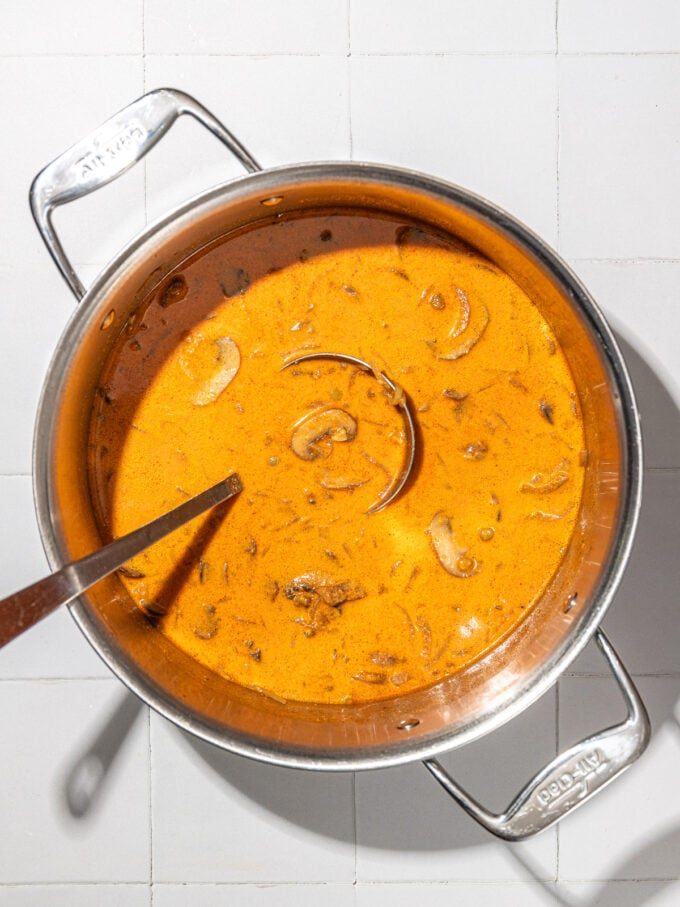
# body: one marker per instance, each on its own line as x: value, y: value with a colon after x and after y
x: 400, y: 401
x: 21, y: 610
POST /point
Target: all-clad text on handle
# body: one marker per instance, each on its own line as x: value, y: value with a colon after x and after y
x: 108, y: 152
x: 572, y: 777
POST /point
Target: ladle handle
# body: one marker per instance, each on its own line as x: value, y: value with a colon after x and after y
x: 572, y: 777
x: 26, y: 607
x: 108, y: 152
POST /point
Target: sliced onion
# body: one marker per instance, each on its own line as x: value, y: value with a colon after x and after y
x: 341, y: 483
x: 545, y: 482
x: 229, y: 362
x: 464, y: 319
x: 475, y: 336
x: 452, y: 557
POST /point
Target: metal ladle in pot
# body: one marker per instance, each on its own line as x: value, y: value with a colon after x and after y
x: 400, y: 400
x: 20, y: 611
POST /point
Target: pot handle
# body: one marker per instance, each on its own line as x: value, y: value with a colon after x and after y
x: 572, y: 777
x: 108, y: 152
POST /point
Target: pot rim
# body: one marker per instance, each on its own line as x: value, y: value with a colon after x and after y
x: 631, y: 491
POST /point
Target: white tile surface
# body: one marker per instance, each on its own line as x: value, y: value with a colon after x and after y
x: 35, y: 27
x: 230, y: 807
x: 522, y: 894
x: 619, y: 183
x: 246, y: 27
x: 467, y: 120
x: 47, y: 725
x: 54, y: 648
x: 36, y: 305
x: 639, y: 814
x: 660, y: 893
x: 409, y: 829
x: 594, y: 25
x: 283, y: 109
x: 438, y: 26
x: 462, y: 894
x: 643, y: 618
x: 54, y: 102
x: 123, y: 895
x: 469, y: 92
x: 641, y: 299
x: 252, y: 895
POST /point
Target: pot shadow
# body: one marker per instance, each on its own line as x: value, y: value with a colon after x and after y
x: 402, y: 809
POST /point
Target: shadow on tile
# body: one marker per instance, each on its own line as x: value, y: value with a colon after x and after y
x: 612, y: 893
x: 643, y: 620
x: 86, y: 779
x: 412, y: 813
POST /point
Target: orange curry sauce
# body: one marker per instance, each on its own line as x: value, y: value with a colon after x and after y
x: 294, y: 589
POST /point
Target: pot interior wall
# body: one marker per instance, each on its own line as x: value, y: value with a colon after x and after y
x: 455, y: 709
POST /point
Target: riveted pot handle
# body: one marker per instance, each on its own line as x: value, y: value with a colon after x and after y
x: 108, y: 152
x: 572, y: 777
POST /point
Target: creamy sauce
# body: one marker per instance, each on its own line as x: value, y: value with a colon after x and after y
x: 294, y: 588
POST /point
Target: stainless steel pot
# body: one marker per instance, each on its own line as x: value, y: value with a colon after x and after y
x: 456, y: 710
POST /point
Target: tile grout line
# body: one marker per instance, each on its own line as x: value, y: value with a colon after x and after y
x: 349, y: 79
x: 264, y: 55
x: 304, y: 883
x: 453, y: 883
x: 253, y: 55
x: 254, y: 883
x: 520, y: 54
x: 60, y: 883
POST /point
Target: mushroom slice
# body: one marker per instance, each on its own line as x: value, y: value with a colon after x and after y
x: 454, y: 559
x: 228, y: 361
x: 545, y: 482
x: 329, y: 425
x: 464, y: 319
x: 341, y: 483
x: 465, y: 346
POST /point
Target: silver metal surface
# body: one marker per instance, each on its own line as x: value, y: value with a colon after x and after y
x: 401, y: 401
x: 25, y: 608
x: 411, y: 727
x: 107, y: 153
x: 573, y: 777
